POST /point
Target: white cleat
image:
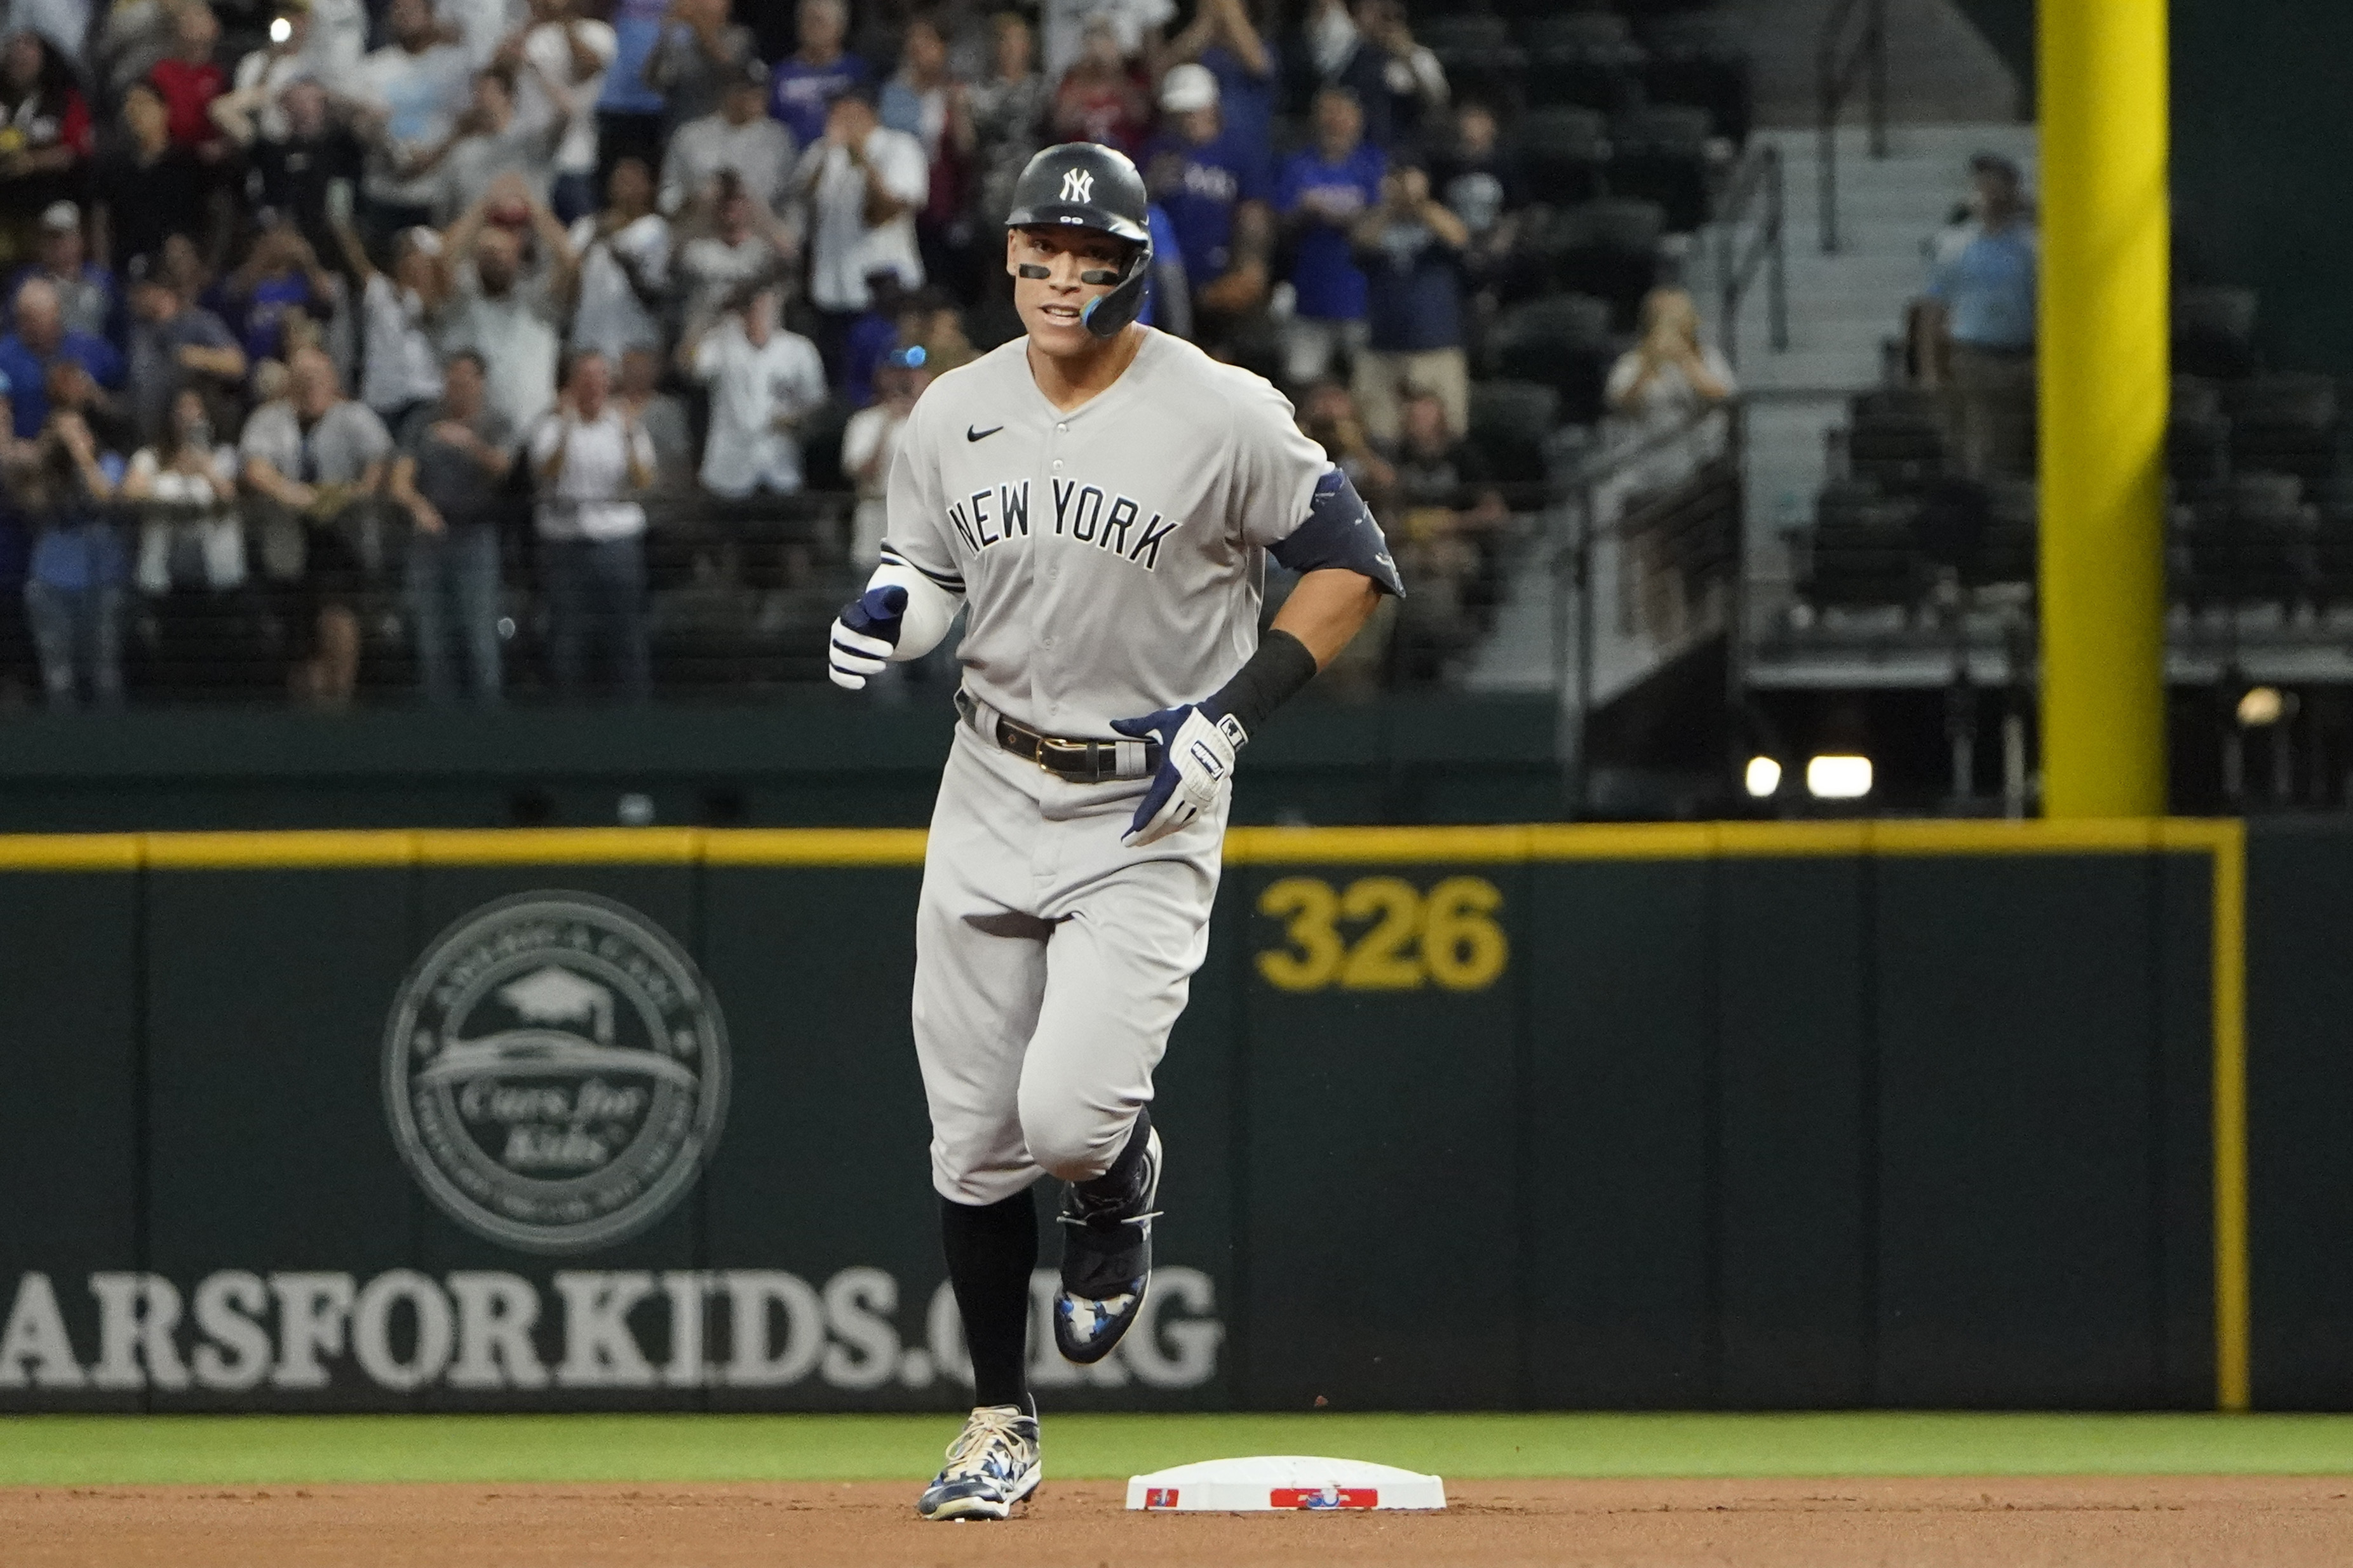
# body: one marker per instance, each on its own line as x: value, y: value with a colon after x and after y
x: 994, y: 1463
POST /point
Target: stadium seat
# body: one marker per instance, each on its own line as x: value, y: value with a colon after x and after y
x: 2249, y: 541
x: 1696, y: 59
x: 1562, y: 154
x: 2213, y: 332
x: 1607, y: 249
x: 1586, y: 58
x: 1862, y: 552
x: 1563, y: 340
x: 1510, y: 422
x: 1660, y: 154
x: 1895, y: 439
x: 1477, y: 51
x: 2283, y: 424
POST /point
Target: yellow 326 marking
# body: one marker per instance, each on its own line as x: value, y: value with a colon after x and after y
x: 1447, y: 936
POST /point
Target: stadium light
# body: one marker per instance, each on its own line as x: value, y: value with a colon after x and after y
x: 1763, y: 777
x: 2262, y: 705
x: 1838, y: 776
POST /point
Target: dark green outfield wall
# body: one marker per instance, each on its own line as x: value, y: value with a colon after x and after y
x: 1800, y: 1130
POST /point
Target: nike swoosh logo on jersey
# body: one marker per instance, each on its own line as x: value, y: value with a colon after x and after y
x: 974, y: 433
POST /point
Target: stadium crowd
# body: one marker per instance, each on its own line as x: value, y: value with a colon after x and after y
x: 404, y: 327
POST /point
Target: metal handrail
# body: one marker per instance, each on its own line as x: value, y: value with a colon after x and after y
x: 1572, y: 569
x: 1757, y: 179
x: 1838, y: 61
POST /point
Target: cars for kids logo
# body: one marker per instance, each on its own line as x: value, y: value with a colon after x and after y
x: 556, y: 1071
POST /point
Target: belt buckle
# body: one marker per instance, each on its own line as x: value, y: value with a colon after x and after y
x: 1055, y: 743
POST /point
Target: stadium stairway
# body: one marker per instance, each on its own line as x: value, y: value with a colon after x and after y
x: 1844, y: 308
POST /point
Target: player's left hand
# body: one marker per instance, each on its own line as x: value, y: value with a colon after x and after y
x: 1196, y: 769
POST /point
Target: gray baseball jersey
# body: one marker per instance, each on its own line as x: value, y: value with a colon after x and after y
x: 1113, y: 558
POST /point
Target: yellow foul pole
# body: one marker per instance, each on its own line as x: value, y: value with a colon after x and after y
x: 2104, y: 370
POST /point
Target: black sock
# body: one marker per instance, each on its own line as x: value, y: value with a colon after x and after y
x: 991, y: 1250
x: 1128, y: 1169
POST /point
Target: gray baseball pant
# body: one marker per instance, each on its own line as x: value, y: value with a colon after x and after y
x: 1050, y: 963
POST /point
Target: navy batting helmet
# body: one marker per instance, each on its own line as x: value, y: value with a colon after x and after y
x: 1088, y: 185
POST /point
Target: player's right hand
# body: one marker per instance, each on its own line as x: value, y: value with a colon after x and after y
x: 864, y: 635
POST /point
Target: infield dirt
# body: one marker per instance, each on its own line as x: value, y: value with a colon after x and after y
x: 2280, y: 1522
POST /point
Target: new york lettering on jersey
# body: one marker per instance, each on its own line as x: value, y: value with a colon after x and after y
x: 1114, y: 523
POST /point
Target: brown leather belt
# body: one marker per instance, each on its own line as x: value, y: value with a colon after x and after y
x: 1081, y: 762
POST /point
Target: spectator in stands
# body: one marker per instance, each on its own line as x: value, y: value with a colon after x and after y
x: 1479, y: 180
x: 485, y: 144
x: 451, y: 470
x: 765, y: 382
x: 560, y: 61
x: 183, y: 486
x: 189, y: 78
x: 72, y: 390
x: 45, y: 134
x: 73, y: 584
x: 915, y: 100
x: 591, y: 460
x: 147, y: 188
x: 280, y: 280
x: 624, y: 254
x: 806, y: 82
x: 884, y: 327
x: 309, y: 459
x: 1101, y: 97
x: 292, y: 174
x: 176, y: 347
x: 661, y: 416
x: 1323, y: 190
x: 1214, y: 189
x: 1979, y: 319
x: 406, y: 98
x: 700, y: 51
x: 870, y: 443
x: 863, y: 183
x: 1444, y: 509
x: 1410, y: 247
x: 999, y: 121
x: 87, y: 297
x: 401, y: 365
x: 336, y: 42
x: 1329, y: 417
x: 40, y: 340
x: 1412, y: 82
x: 740, y: 137
x: 1135, y: 26
x: 1661, y: 385
x: 509, y: 316
x: 747, y: 242
x: 250, y: 109
x: 1236, y: 49
x: 629, y: 113
x: 1337, y: 54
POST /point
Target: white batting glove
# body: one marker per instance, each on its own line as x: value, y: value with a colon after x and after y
x: 1196, y: 769
x: 863, y: 636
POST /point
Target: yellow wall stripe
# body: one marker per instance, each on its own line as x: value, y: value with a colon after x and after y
x: 2234, y: 1320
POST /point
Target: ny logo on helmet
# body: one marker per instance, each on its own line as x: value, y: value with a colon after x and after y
x: 1078, y: 186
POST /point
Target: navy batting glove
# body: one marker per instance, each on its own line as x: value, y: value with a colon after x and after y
x: 1196, y: 768
x: 864, y: 635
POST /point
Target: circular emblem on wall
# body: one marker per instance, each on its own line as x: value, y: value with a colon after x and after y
x: 556, y: 1071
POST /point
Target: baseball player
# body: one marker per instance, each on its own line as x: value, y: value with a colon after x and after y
x: 1100, y: 496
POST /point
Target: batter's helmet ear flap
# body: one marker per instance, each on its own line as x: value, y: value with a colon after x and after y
x: 1106, y: 314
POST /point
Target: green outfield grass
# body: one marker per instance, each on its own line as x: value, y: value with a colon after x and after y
x: 86, y: 1450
